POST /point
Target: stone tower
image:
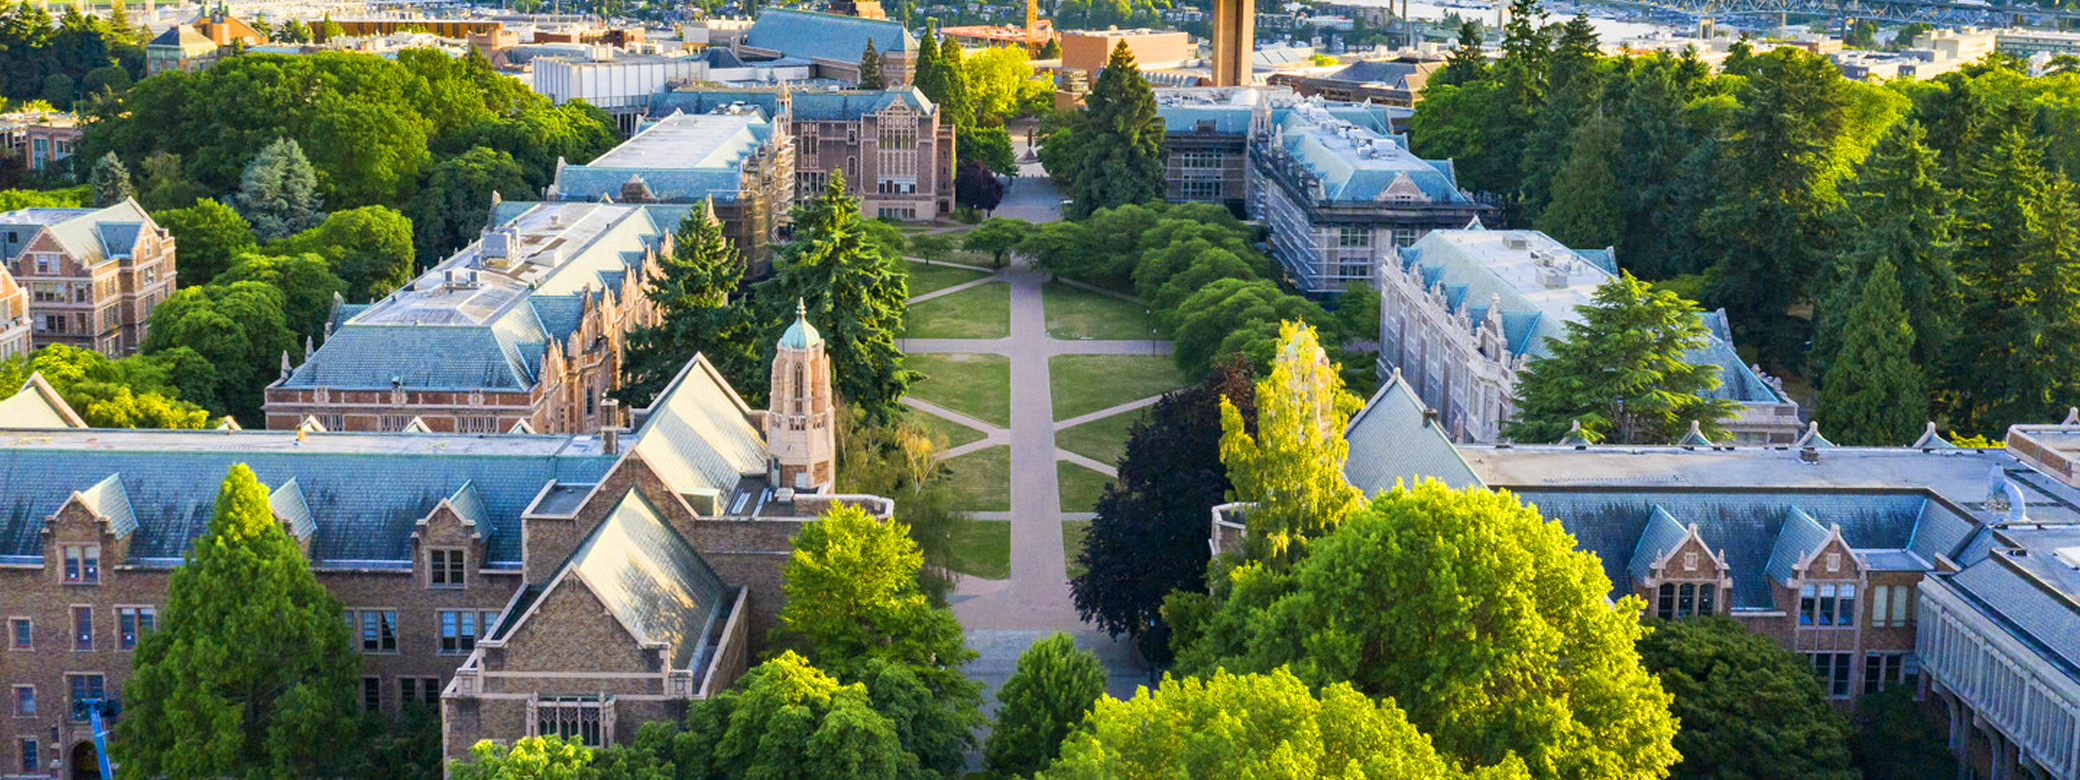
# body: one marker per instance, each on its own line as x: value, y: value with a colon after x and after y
x: 1234, y: 42
x: 800, y: 430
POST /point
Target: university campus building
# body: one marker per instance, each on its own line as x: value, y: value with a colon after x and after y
x: 93, y: 275
x: 1463, y: 311
x: 833, y: 43
x: 1206, y: 137
x: 523, y: 583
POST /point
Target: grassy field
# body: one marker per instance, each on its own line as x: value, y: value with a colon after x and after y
x: 1076, y: 313
x: 948, y: 433
x: 982, y: 480
x: 926, y: 278
x: 1072, y: 544
x: 1080, y: 486
x: 980, y: 312
x: 1082, y: 384
x: 982, y: 548
x: 1103, y: 440
x: 975, y: 385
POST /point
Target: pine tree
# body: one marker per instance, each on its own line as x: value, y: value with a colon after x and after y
x: 1122, y: 141
x: 110, y: 181
x: 929, y: 74
x: 1046, y: 698
x: 1051, y: 50
x: 249, y: 673
x: 1995, y: 371
x: 1585, y: 210
x: 1898, y: 211
x: 1573, y: 90
x: 1291, y: 464
x: 694, y: 314
x: 1873, y: 392
x: 279, y: 192
x: 958, y: 104
x: 2054, y: 275
x: 870, y: 68
x: 1468, y: 62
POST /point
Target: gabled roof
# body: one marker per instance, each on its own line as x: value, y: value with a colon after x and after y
x: 91, y: 236
x: 1394, y: 439
x: 809, y: 34
x: 2028, y: 606
x: 289, y: 507
x: 698, y: 434
x: 1800, y: 536
x: 651, y: 580
x: 1661, y: 537
x: 108, y: 499
x: 682, y: 157
x: 1356, y: 163
x: 36, y: 406
x: 468, y: 505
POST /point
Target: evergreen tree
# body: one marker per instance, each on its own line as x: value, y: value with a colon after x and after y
x: 1521, y: 88
x: 1291, y: 463
x: 927, y: 73
x: 1997, y: 371
x: 958, y: 103
x: 1900, y: 212
x: 1873, y: 393
x: 1623, y: 371
x: 1573, y: 89
x: 1585, y: 209
x: 694, y: 315
x: 1051, y: 50
x: 870, y: 68
x: 1468, y: 61
x: 279, y: 192
x: 110, y: 181
x: 1046, y: 698
x: 1122, y: 155
x: 855, y: 297
x: 2054, y: 275
x: 249, y: 673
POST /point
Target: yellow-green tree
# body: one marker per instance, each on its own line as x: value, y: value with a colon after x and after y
x: 1291, y: 465
x: 531, y: 758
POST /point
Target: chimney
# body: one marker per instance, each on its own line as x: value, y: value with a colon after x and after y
x: 610, y: 440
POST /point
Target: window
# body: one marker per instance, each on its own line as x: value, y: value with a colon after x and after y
x: 43, y: 266
x: 430, y: 688
x: 21, y: 633
x: 1884, y: 670
x: 392, y: 423
x: 1353, y: 237
x: 445, y: 567
x: 29, y: 758
x: 1833, y: 671
x: 476, y: 424
x: 1827, y: 605
x: 371, y: 694
x: 1892, y: 606
x: 132, y: 622
x: 82, y: 564
x: 1199, y: 159
x: 1845, y: 606
x: 419, y: 690
x: 378, y: 630
x: 84, y: 687
x: 1404, y: 236
x: 24, y: 701
x: 460, y: 630
x: 82, y: 629
x: 1201, y: 191
x: 1685, y: 599
x: 574, y: 718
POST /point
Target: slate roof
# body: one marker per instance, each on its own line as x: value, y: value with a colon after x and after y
x: 1662, y: 536
x: 2045, y: 621
x: 288, y: 505
x: 92, y: 236
x: 1796, y: 541
x: 1392, y: 441
x: 1393, y: 73
x: 1356, y: 163
x: 820, y: 105
x: 652, y: 581
x: 108, y: 499
x: 809, y: 34
x: 683, y: 157
x: 698, y: 434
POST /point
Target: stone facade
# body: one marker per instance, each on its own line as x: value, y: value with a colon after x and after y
x: 93, y: 275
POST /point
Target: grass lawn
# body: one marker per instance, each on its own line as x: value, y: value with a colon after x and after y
x: 975, y: 385
x: 1072, y: 544
x: 1103, y: 440
x: 982, y: 548
x: 1082, y: 384
x: 948, y: 433
x: 980, y: 312
x: 1075, y: 313
x: 1080, y: 486
x: 926, y: 278
x: 982, y: 480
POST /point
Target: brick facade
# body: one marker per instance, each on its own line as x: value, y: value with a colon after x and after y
x: 93, y: 275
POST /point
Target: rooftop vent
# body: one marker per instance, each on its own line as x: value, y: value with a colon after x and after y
x: 1514, y: 241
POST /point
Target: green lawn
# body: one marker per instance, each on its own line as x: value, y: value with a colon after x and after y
x: 975, y: 385
x: 1082, y: 384
x: 982, y: 480
x: 1075, y: 313
x: 1080, y: 486
x: 926, y: 278
x: 947, y: 433
x: 980, y: 312
x: 1072, y: 544
x: 1103, y: 440
x: 982, y: 548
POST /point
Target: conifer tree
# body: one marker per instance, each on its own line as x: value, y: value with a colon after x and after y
x: 1122, y: 141
x: 1051, y: 50
x: 110, y: 181
x: 694, y: 314
x: 958, y: 104
x: 1873, y: 393
x: 1898, y: 211
x: 1584, y: 211
x: 2054, y: 253
x: 1623, y: 371
x: 1291, y: 464
x: 1573, y: 89
x: 870, y: 68
x: 928, y: 74
x: 278, y: 193
x: 1467, y: 62
x: 249, y: 673
x: 1997, y: 373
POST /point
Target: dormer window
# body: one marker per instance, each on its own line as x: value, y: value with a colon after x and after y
x: 82, y: 564
x: 445, y: 567
x: 1676, y: 600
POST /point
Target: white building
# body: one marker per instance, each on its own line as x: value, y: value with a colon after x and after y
x: 622, y: 85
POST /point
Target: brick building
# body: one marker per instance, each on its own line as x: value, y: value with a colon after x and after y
x: 93, y: 275
x: 197, y: 45
x: 524, y: 583
x: 1397, y: 81
x: 39, y: 139
x: 524, y: 329
x: 895, y: 152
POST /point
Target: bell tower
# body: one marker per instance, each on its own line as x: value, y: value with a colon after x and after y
x: 801, y: 436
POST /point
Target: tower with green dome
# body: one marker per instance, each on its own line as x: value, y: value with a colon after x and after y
x: 801, y: 429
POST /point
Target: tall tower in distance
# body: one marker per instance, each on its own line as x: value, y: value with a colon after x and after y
x: 1234, y: 40
x: 1033, y: 22
x: 801, y: 434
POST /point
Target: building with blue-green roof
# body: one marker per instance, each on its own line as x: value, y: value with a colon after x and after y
x: 1206, y: 133
x: 832, y: 42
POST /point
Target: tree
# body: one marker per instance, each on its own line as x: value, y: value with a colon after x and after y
x: 956, y: 103
x: 209, y: 234
x: 694, y: 316
x: 1873, y: 393
x: 370, y: 248
x: 1584, y: 209
x: 110, y: 181
x: 1863, y: 34
x: 976, y: 187
x: 854, y: 294
x: 239, y: 328
x: 1623, y: 371
x: 1237, y: 316
x: 1482, y: 621
x: 1122, y: 155
x: 1898, y: 211
x: 1047, y: 697
x: 1003, y: 84
x: 988, y: 146
x: 870, y: 67
x: 1237, y: 725
x: 997, y: 236
x: 929, y: 74
x: 158, y: 391
x: 59, y: 90
x: 1051, y: 50
x: 249, y: 672
x: 1748, y: 707
x: 933, y: 246
x: 852, y: 597
x: 279, y: 192
x: 788, y: 720
x: 305, y: 280
x: 531, y: 758
x: 455, y: 202
x: 2000, y: 376
x: 166, y: 186
x: 1290, y: 464
x: 1894, y: 740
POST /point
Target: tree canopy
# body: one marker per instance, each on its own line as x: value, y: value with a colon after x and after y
x: 1119, y: 158
x: 1748, y: 707
x: 1046, y: 698
x: 208, y: 235
x: 278, y: 194
x: 1289, y: 463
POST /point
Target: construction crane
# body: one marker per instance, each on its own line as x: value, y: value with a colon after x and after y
x: 98, y: 713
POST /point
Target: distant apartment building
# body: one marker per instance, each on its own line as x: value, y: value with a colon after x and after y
x: 1340, y: 196
x: 2026, y: 42
x: 1463, y: 311
x: 738, y: 159
x: 523, y: 330
x: 1394, y: 82
x: 1933, y: 53
x: 894, y: 151
x: 39, y: 139
x: 196, y: 46
x: 92, y: 275
x: 833, y: 43
x: 1088, y: 50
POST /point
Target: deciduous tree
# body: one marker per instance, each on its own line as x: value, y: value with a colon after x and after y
x: 1047, y: 697
x: 1290, y: 463
x: 239, y: 328
x: 209, y: 234
x: 531, y: 758
x: 454, y: 203
x: 1748, y: 707
x: 370, y: 248
x: 305, y: 280
x: 852, y: 597
x: 997, y: 236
